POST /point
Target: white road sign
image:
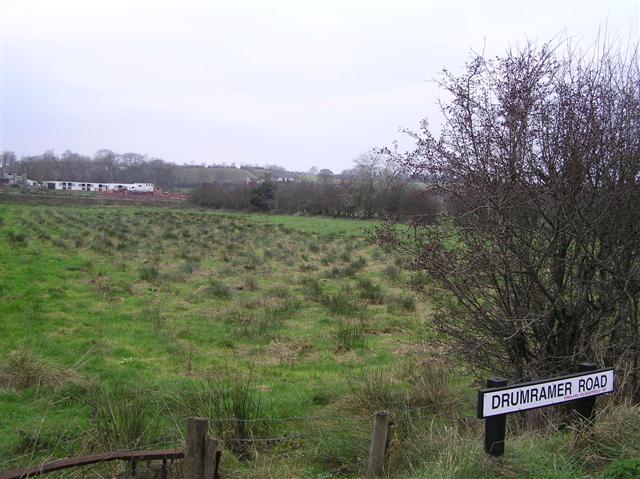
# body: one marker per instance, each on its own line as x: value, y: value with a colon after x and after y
x: 520, y: 397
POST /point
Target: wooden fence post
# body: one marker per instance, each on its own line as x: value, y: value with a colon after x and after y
x: 211, y: 458
x: 195, y: 449
x: 378, y: 443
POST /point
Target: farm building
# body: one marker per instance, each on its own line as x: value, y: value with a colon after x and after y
x: 80, y: 186
x: 10, y: 179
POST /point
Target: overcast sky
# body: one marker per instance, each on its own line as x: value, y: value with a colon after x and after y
x: 294, y: 83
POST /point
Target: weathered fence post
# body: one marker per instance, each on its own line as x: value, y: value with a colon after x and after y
x: 133, y: 466
x: 585, y: 407
x: 218, y: 456
x: 195, y: 449
x: 495, y: 427
x: 211, y: 458
x: 378, y: 442
x: 164, y: 471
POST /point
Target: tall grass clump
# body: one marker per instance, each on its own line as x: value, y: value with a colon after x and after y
x: 148, y: 272
x: 190, y: 265
x: 430, y: 386
x: 218, y: 289
x: 250, y: 283
x: 17, y: 239
x: 348, y: 337
x: 444, y: 448
x: 393, y: 273
x: 235, y: 406
x: 340, y: 304
x: 125, y: 418
x: 252, y: 324
x: 23, y: 368
x: 403, y: 303
x: 280, y: 291
x: 312, y: 287
x: 375, y: 390
x: 614, y: 434
x: 418, y: 281
x: 370, y: 291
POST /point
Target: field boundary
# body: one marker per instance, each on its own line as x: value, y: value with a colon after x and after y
x: 67, y: 200
x: 132, y: 456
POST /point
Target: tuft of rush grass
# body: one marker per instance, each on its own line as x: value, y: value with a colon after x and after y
x: 312, y: 287
x: 393, y: 273
x: 404, y: 303
x: 370, y: 291
x: 148, y: 272
x: 430, y: 384
x: 217, y: 289
x: 348, y: 337
x: 341, y: 304
x: 235, y: 407
x: 418, y: 281
x: 375, y: 390
x: 23, y: 369
x: 251, y: 283
x: 124, y: 418
x: 17, y: 238
x: 615, y: 433
x: 254, y: 324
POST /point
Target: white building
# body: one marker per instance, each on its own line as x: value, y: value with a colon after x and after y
x: 84, y: 186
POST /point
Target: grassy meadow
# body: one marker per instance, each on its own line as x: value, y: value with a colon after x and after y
x: 116, y: 323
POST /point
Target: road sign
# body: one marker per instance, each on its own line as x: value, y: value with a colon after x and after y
x: 499, y: 399
x: 535, y: 394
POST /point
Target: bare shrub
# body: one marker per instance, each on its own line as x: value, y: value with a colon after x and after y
x: 539, y: 161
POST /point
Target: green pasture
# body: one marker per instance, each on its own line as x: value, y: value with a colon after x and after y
x: 116, y: 323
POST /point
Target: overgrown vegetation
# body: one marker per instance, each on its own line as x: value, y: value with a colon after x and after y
x: 375, y: 187
x: 107, y: 346
x: 539, y: 260
x: 170, y: 313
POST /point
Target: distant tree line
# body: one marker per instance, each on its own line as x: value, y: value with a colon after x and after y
x: 105, y: 166
x: 373, y: 188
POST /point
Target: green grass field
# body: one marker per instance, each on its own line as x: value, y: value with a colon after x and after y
x: 195, y: 176
x: 117, y: 323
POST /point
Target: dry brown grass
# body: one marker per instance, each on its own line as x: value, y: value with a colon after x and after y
x: 615, y: 433
x: 291, y: 352
x: 23, y: 369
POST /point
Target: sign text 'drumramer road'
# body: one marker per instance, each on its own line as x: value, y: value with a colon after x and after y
x: 520, y: 397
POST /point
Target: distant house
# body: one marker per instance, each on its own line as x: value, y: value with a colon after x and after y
x: 10, y: 179
x: 280, y: 176
x: 85, y: 186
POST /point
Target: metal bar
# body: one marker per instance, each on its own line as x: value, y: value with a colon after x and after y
x: 94, y: 459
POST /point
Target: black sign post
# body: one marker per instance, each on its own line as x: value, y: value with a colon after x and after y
x: 499, y: 399
x: 495, y: 426
x: 585, y: 407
